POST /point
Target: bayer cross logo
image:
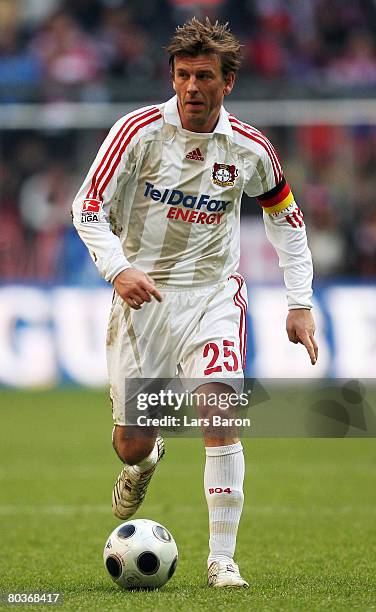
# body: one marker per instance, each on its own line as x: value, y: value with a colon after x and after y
x: 224, y: 175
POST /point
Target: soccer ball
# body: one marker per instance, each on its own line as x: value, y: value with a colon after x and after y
x: 140, y: 554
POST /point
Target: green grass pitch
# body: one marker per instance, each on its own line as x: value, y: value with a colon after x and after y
x: 306, y: 540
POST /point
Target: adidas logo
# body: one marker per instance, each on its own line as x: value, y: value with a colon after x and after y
x: 195, y: 154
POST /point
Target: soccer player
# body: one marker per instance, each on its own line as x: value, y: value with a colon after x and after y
x: 159, y: 212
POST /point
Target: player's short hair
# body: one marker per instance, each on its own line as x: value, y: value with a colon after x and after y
x: 200, y: 38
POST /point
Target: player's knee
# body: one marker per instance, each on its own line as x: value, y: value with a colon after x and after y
x: 131, y: 451
x: 124, y: 450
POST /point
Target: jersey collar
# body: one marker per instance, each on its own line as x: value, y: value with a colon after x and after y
x: 171, y: 116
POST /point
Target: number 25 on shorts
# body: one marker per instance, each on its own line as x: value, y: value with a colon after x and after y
x: 229, y: 358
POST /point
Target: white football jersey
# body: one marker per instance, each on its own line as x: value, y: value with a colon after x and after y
x: 167, y: 201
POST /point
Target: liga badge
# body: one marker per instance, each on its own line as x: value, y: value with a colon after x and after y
x: 90, y: 211
x: 224, y: 175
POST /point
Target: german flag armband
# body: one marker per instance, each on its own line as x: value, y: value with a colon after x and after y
x: 277, y: 199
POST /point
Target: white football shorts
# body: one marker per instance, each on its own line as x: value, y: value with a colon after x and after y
x: 196, y: 333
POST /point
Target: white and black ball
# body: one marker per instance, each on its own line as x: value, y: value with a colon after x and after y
x: 140, y: 554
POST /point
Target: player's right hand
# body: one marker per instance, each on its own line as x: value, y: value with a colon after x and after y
x: 136, y: 287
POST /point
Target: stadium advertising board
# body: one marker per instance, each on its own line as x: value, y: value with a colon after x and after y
x: 57, y: 335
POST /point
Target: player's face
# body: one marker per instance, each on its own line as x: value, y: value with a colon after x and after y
x: 200, y: 88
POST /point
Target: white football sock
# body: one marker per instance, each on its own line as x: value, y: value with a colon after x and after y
x: 149, y: 461
x: 223, y: 481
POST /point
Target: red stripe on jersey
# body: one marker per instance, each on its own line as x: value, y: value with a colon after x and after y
x: 256, y: 136
x: 291, y: 221
x: 271, y: 150
x: 268, y: 144
x: 121, y: 150
x: 297, y: 219
x: 251, y: 137
x: 240, y: 302
x: 140, y: 115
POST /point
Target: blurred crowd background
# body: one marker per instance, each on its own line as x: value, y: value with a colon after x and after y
x: 112, y: 51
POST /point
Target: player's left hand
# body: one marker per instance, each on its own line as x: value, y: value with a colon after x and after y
x: 300, y: 328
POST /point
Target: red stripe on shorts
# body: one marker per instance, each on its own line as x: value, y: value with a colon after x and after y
x: 240, y: 302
